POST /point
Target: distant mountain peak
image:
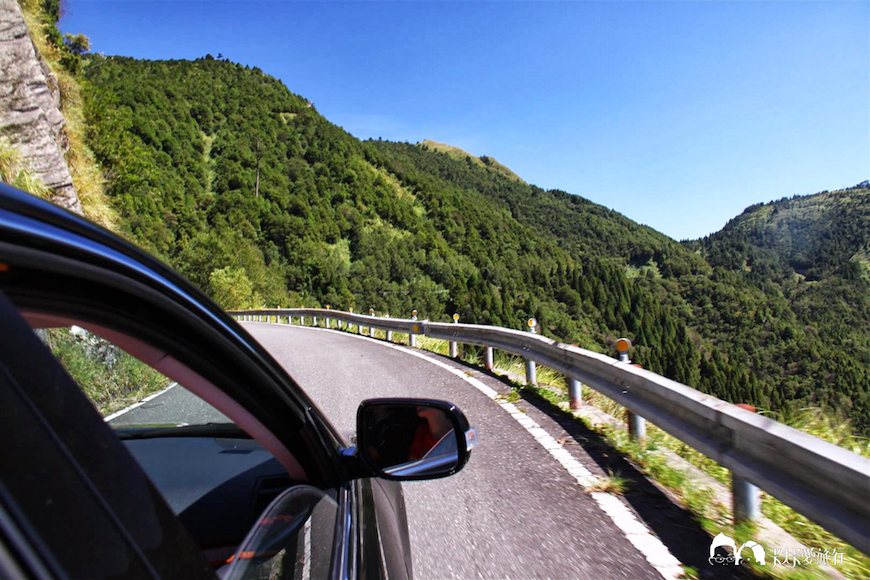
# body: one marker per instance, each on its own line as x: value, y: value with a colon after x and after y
x: 461, y: 154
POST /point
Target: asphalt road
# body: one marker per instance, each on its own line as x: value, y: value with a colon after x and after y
x: 513, y: 512
x: 176, y: 406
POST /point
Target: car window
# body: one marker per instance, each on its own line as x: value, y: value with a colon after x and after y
x: 125, y: 391
x: 216, y: 479
x: 78, y: 500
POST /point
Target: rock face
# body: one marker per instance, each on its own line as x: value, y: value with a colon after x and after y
x: 30, y: 108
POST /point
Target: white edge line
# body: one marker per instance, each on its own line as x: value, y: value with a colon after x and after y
x: 640, y: 536
x: 139, y: 404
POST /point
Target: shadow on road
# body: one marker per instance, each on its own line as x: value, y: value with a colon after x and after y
x: 676, y: 527
x: 680, y: 531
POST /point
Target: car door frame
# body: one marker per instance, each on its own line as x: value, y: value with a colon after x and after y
x: 59, y: 264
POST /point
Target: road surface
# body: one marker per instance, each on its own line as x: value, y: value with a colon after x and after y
x: 513, y: 512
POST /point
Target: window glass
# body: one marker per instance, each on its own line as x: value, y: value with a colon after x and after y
x: 124, y: 390
x: 214, y: 477
x: 292, y: 539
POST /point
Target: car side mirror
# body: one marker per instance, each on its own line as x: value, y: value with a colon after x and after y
x: 409, y: 439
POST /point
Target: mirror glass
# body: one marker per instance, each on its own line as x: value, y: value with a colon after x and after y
x: 410, y: 440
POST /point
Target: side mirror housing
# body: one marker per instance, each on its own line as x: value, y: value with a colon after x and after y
x: 413, y: 439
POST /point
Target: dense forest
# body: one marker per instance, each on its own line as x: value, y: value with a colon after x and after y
x: 247, y: 190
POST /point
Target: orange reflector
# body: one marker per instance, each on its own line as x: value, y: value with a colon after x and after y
x: 622, y: 345
x: 4, y: 267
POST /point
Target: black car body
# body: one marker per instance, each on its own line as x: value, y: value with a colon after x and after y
x: 74, y: 502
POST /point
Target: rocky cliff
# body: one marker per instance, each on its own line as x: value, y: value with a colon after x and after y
x: 30, y: 108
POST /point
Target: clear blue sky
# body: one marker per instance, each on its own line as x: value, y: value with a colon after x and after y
x: 676, y: 114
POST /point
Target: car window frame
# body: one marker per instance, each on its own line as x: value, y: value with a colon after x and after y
x: 56, y: 272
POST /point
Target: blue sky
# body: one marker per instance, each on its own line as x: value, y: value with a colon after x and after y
x: 677, y: 114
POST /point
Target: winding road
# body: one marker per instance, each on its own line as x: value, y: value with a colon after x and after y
x: 518, y: 509
x: 514, y: 511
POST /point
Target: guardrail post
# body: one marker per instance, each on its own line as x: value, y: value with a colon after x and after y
x: 454, y: 349
x: 636, y: 423
x: 575, y: 393
x: 487, y: 358
x: 531, y: 370
x: 745, y: 496
x: 389, y: 336
x: 350, y: 309
x: 746, y: 499
x: 371, y: 330
x: 636, y: 426
x: 326, y: 319
x: 412, y: 339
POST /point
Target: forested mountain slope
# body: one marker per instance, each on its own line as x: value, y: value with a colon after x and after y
x: 252, y: 194
x: 813, y: 253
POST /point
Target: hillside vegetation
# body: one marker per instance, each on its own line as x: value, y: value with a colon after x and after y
x: 247, y: 190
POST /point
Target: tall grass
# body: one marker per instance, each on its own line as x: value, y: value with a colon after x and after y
x: 109, y: 377
x: 86, y: 175
x: 13, y: 172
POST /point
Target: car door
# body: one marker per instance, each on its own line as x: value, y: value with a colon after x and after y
x: 73, y: 503
x: 57, y: 265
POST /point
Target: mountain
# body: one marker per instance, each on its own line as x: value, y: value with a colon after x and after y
x: 246, y: 189
x: 810, y: 238
x: 457, y: 153
x: 810, y: 255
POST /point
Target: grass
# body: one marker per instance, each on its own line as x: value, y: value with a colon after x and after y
x: 13, y: 172
x: 109, y: 377
x: 614, y: 483
x: 462, y: 155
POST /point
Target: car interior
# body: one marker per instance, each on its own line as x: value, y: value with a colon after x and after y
x: 218, y: 477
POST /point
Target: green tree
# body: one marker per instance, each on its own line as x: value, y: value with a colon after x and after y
x: 231, y: 289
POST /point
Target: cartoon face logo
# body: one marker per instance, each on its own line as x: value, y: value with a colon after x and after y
x: 722, y: 541
x: 736, y: 556
x: 757, y: 552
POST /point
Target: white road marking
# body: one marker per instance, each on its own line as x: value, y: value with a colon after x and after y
x: 640, y: 536
x: 139, y: 404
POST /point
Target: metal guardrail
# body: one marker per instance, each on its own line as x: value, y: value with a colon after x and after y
x: 824, y: 482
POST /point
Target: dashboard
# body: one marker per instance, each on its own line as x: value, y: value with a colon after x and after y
x: 217, y: 486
